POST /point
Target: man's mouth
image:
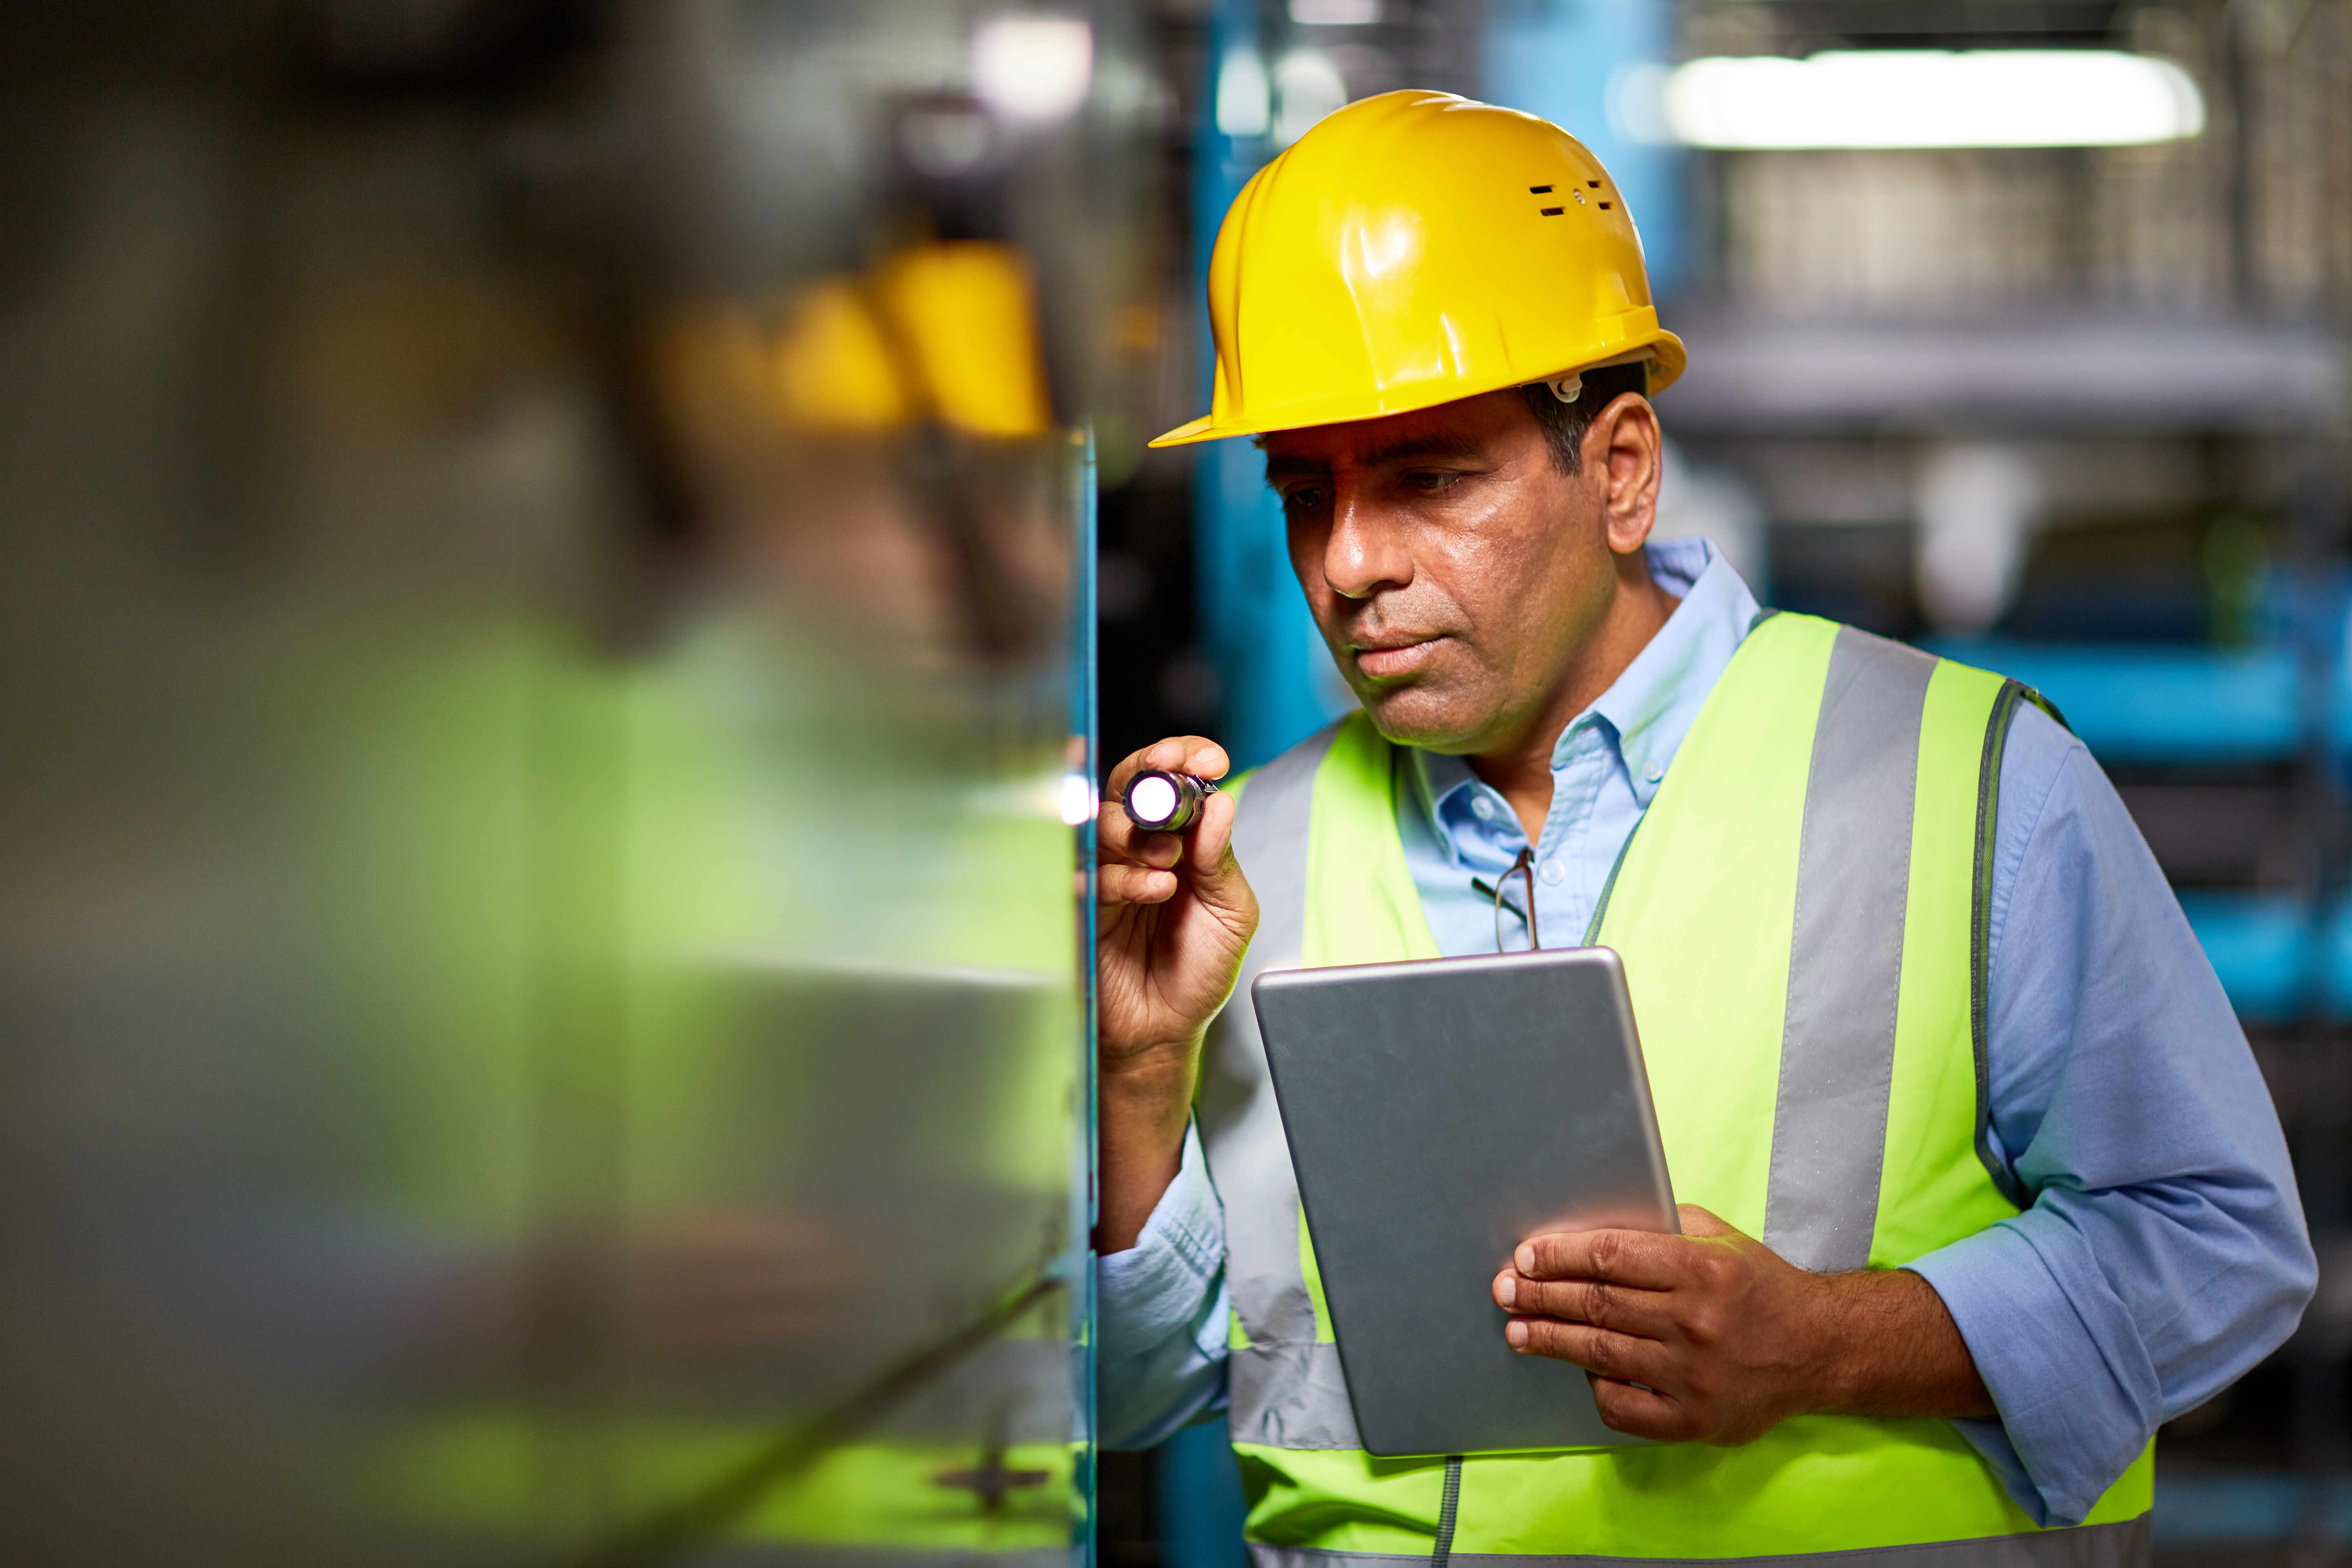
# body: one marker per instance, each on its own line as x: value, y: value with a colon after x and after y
x: 1389, y: 658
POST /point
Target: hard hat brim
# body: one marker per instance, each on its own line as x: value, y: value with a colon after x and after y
x: 1665, y: 352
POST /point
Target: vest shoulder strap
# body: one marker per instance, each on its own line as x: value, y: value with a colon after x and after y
x: 1241, y: 1126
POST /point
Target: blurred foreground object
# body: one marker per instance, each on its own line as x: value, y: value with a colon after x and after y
x: 541, y: 548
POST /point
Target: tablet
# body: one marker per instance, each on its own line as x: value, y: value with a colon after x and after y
x: 1439, y: 1113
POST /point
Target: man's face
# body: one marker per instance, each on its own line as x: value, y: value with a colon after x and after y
x: 1454, y: 570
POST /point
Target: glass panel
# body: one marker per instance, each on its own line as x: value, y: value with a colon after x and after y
x: 546, y: 557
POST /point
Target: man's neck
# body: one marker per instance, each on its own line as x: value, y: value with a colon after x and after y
x: 1520, y: 770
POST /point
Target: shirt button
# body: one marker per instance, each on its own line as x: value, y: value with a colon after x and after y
x: 1482, y: 807
x: 1552, y: 872
x: 1654, y: 773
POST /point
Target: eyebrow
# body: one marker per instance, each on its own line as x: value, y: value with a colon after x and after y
x: 1395, y: 451
x: 1420, y: 447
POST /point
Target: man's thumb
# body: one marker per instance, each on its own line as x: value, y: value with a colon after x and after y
x: 1217, y: 876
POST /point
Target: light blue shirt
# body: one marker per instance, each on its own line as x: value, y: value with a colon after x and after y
x: 2166, y: 1251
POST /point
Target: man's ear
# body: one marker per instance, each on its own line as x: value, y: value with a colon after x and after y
x: 1625, y: 453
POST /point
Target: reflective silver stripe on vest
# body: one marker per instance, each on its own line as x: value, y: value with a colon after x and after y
x: 1284, y: 1389
x: 2123, y: 1546
x: 1845, y: 958
x: 1291, y: 1395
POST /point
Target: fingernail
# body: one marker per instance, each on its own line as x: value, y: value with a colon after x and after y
x: 1506, y: 1290
x: 1525, y: 1257
x: 1517, y: 1333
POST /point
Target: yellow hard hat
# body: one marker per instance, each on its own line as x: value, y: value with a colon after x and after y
x: 1417, y: 247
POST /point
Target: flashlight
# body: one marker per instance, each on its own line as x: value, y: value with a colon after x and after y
x: 1163, y: 802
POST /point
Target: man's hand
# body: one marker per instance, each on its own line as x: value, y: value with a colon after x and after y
x: 1175, y: 916
x: 1711, y: 1337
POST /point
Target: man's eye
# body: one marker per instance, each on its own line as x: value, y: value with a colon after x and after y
x: 1431, y: 482
x: 1306, y: 499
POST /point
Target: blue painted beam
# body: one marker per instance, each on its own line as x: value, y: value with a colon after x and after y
x: 2244, y: 1508
x: 2157, y: 704
x: 1592, y: 68
x: 1274, y: 679
x: 2263, y: 945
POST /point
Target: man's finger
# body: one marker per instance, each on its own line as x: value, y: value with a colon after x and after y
x: 1628, y: 1308
x: 1637, y: 1257
x: 1602, y: 1350
x: 1117, y: 838
x: 1215, y: 873
x: 1133, y: 884
x: 1160, y: 852
x: 1638, y: 1412
x: 1194, y: 754
x: 1210, y: 843
x: 1197, y: 755
x: 1696, y: 1221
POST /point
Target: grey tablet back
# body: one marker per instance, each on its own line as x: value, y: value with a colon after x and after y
x: 1439, y: 1113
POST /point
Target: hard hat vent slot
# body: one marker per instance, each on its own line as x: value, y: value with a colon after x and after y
x: 1594, y: 184
x: 1553, y: 212
x: 1605, y: 206
x: 1538, y: 190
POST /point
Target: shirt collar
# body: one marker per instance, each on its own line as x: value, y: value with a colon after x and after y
x: 1652, y: 705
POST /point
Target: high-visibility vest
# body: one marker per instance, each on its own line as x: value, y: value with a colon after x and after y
x: 1802, y: 914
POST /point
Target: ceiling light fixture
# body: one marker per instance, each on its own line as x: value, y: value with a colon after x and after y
x: 1032, y: 67
x: 1932, y: 98
x: 1335, y: 12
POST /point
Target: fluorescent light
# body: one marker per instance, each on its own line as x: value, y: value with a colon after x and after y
x: 1335, y: 12
x: 1032, y: 67
x: 1244, y: 96
x: 1306, y: 86
x: 1933, y: 98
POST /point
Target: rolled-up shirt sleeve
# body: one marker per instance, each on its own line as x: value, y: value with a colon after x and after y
x: 2164, y: 1252
x: 1162, y: 1314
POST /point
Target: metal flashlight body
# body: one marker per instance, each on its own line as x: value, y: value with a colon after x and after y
x: 1163, y: 802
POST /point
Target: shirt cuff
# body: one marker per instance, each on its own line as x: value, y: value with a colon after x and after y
x: 2070, y: 1423
x: 1154, y: 1287
x: 1162, y: 1314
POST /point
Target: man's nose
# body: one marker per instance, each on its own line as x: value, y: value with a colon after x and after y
x: 1365, y: 552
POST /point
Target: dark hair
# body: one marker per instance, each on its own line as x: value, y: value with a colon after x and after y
x: 1564, y: 423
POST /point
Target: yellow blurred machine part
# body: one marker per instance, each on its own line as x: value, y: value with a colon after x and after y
x: 1414, y: 248
x: 947, y: 328
x: 967, y: 314
x: 834, y: 366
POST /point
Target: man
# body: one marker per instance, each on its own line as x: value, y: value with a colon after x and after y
x: 1980, y: 1181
